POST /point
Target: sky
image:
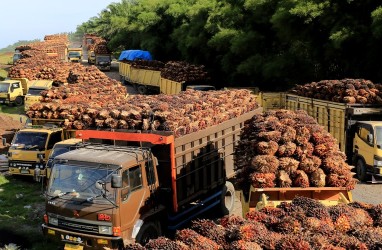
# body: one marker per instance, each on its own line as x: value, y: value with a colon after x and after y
x: 33, y: 19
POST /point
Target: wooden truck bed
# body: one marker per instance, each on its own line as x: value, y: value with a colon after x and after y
x: 190, y: 166
x: 262, y: 197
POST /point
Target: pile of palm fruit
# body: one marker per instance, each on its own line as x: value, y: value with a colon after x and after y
x: 283, y: 148
x: 181, y: 71
x: 345, y: 91
x: 184, y: 113
x: 302, y: 224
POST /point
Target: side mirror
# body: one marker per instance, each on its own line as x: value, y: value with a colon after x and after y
x: 4, y: 141
x: 370, y: 138
x: 116, y: 181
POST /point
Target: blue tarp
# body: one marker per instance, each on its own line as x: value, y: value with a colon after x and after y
x: 134, y: 54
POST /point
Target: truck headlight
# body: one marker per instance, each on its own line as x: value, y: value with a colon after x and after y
x: 377, y: 161
x: 105, y: 230
x: 53, y: 221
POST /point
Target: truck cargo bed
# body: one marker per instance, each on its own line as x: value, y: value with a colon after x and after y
x: 191, y: 166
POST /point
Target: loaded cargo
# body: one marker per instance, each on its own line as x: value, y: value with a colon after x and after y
x: 356, y: 127
x: 284, y: 154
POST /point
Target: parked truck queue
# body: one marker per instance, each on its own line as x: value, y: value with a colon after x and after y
x: 132, y: 174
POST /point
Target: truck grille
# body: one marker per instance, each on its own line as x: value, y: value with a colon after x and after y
x: 77, y: 226
x: 28, y: 164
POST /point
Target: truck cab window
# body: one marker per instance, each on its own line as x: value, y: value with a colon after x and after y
x: 363, y: 133
x: 131, y: 181
x: 54, y: 138
x: 378, y: 134
x: 150, y: 172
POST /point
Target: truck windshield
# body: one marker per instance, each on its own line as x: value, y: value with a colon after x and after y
x: 30, y: 140
x: 103, y: 58
x: 4, y: 87
x: 378, y: 133
x: 59, y: 150
x: 79, y: 181
x: 33, y: 91
x: 74, y: 54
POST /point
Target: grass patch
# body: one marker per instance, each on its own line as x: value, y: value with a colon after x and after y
x: 22, y: 206
x: 3, y: 74
x: 17, y: 113
x: 6, y: 58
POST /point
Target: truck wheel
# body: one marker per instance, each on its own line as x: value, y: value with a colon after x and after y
x: 227, y: 199
x: 142, y: 90
x: 19, y: 101
x: 361, y: 170
x: 149, y: 230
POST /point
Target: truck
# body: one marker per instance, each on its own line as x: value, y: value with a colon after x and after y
x: 170, y: 87
x: 357, y: 128
x: 102, y: 61
x: 33, y: 95
x: 13, y: 91
x: 140, y: 185
x: 31, y: 146
x: 16, y: 57
x: 150, y: 81
x: 74, y: 54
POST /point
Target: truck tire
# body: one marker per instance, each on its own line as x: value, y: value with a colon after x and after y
x: 142, y: 90
x: 227, y: 199
x: 149, y: 230
x: 19, y: 101
x: 361, y: 170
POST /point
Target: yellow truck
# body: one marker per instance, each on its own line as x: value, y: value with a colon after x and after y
x: 74, y: 54
x: 34, y: 91
x: 143, y: 80
x: 146, y: 81
x: 32, y: 145
x: 357, y: 128
x: 13, y: 91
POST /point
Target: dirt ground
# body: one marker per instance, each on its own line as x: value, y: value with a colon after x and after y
x: 7, y: 127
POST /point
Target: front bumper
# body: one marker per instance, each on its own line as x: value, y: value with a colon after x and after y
x: 25, y: 168
x: 4, y: 101
x: 76, y: 240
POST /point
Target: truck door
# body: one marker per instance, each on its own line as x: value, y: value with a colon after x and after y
x: 16, y: 89
x: 364, y: 143
x: 133, y: 195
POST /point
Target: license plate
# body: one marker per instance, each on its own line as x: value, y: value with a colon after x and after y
x: 23, y: 171
x: 73, y: 247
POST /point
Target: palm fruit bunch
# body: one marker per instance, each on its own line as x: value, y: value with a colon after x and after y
x: 211, y: 230
x: 345, y: 91
x: 244, y: 245
x: 303, y: 223
x: 196, y: 241
x: 283, y: 148
x: 164, y: 243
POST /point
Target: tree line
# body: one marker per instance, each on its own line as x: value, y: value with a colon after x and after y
x: 270, y: 44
